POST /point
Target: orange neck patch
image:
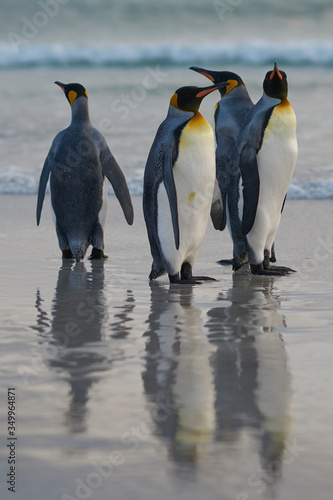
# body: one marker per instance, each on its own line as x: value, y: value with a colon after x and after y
x: 197, y: 121
x: 233, y: 84
x: 284, y: 103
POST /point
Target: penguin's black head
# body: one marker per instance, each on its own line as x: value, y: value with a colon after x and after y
x: 72, y: 91
x: 216, y: 77
x: 189, y: 98
x: 275, y: 84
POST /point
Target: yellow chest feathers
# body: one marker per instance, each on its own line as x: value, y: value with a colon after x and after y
x: 283, y: 119
x: 197, y: 132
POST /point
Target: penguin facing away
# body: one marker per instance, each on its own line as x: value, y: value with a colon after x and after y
x: 266, y: 154
x: 78, y: 163
x: 229, y: 116
x: 179, y: 184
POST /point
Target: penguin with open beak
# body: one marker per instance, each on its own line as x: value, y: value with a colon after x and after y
x: 179, y: 185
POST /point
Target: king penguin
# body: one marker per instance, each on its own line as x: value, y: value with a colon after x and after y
x: 229, y: 116
x: 179, y: 184
x: 78, y: 163
x: 266, y: 154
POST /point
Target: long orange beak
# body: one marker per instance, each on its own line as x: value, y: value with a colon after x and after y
x: 276, y: 72
x: 208, y: 90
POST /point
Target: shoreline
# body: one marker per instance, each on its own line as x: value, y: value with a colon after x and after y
x: 304, y: 233
x: 173, y: 382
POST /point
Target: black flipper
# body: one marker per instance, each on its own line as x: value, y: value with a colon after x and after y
x: 114, y: 174
x: 44, y: 177
x: 251, y: 186
x: 284, y: 201
x: 223, y: 173
x: 170, y: 188
x: 250, y: 144
x: 217, y: 213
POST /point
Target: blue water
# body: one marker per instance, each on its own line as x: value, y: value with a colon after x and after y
x: 113, y: 47
x: 256, y: 52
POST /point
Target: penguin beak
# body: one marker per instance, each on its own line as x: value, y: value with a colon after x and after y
x: 275, y: 72
x: 207, y: 90
x: 61, y: 85
x: 203, y: 72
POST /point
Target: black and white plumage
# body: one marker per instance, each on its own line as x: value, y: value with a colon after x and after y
x: 78, y: 164
x: 179, y: 184
x: 229, y: 116
x: 266, y: 156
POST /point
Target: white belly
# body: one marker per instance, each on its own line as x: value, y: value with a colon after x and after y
x: 194, y: 174
x: 276, y: 163
x: 103, y: 211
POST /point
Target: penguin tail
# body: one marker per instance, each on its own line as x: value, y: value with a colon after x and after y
x: 157, y: 270
x: 78, y: 249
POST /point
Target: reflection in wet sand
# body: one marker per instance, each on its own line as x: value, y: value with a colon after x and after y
x: 78, y: 320
x: 215, y: 391
x: 252, y: 380
x: 76, y: 330
x: 178, y: 376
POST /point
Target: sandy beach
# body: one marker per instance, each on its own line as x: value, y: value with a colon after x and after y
x: 130, y: 390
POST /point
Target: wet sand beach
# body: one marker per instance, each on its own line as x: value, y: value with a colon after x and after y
x: 131, y: 390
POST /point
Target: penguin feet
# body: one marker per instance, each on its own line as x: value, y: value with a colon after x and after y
x: 186, y: 277
x: 97, y: 253
x: 269, y: 257
x: 225, y: 262
x: 236, y: 262
x: 259, y: 269
x: 282, y: 269
x: 204, y: 278
x: 195, y: 280
x: 272, y: 256
x: 67, y: 254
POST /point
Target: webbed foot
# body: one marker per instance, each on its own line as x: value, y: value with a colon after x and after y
x: 67, y: 254
x: 259, y: 269
x: 97, y: 253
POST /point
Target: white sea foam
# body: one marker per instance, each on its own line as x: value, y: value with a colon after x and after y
x: 15, y: 181
x: 255, y: 52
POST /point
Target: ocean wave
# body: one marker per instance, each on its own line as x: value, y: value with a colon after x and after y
x: 15, y: 181
x: 320, y: 189
x: 260, y: 52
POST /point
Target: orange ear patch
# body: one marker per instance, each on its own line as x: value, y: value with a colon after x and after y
x: 232, y: 85
x: 72, y: 95
x: 174, y: 100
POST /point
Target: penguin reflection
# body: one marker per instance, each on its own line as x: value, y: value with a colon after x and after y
x: 178, y: 378
x: 79, y: 316
x: 202, y: 391
x: 252, y: 380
